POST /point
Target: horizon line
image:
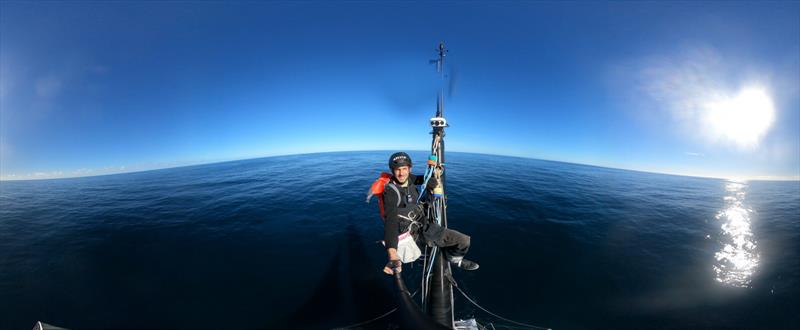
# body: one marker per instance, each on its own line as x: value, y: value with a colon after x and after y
x: 155, y: 166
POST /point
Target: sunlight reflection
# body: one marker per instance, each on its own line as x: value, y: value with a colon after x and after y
x: 744, y: 118
x: 737, y: 260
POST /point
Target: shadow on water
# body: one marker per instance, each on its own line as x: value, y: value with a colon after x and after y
x: 351, y: 291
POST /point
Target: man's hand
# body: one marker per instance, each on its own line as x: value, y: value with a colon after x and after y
x: 432, y: 183
x: 435, y: 180
x: 393, y: 267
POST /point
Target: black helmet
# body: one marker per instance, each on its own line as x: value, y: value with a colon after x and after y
x: 398, y: 159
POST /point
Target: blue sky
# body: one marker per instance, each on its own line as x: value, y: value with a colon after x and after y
x: 695, y: 88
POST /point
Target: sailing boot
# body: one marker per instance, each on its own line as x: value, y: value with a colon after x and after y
x: 467, y: 264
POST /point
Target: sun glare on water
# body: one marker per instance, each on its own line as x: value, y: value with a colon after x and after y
x: 738, y: 259
x: 743, y: 119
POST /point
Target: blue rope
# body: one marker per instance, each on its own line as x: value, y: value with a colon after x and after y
x: 428, y: 174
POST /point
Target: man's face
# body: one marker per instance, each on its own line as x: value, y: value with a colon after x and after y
x: 401, y: 173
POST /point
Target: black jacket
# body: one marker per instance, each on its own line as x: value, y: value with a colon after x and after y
x: 394, y: 226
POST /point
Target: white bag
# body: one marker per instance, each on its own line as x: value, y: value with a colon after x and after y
x: 407, y: 248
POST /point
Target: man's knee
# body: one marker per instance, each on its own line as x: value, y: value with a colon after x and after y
x: 465, y: 241
x: 460, y: 239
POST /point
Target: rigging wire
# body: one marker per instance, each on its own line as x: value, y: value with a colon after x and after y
x: 368, y: 321
x: 375, y: 319
x: 426, y: 276
x: 501, y: 326
x: 493, y: 314
x: 427, y: 267
x: 422, y: 281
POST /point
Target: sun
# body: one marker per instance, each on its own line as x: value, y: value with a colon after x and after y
x: 742, y: 119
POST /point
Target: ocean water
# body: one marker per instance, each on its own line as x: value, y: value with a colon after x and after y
x: 288, y: 242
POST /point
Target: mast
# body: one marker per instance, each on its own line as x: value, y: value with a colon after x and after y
x: 440, y: 301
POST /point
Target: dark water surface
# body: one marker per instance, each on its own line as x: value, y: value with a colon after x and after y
x: 289, y: 242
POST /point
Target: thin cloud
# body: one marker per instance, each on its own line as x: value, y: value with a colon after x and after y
x: 99, y: 69
x: 5, y: 84
x: 5, y: 154
x: 5, y: 148
x: 708, y: 96
x: 48, y: 87
x: 85, y: 171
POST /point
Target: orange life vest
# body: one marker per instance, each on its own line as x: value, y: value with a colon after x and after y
x: 377, y: 190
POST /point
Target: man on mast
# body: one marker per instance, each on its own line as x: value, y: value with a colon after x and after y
x: 402, y: 213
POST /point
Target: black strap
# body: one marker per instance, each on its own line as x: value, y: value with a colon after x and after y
x: 399, y: 195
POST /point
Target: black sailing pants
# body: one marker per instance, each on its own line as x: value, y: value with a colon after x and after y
x: 454, y: 244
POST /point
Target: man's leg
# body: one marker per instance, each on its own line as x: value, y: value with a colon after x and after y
x: 455, y: 245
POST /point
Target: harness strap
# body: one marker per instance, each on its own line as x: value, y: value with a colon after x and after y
x: 411, y: 224
x: 403, y: 216
x: 399, y: 196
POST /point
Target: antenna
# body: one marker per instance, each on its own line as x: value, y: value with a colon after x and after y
x: 440, y: 61
x: 440, y: 69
